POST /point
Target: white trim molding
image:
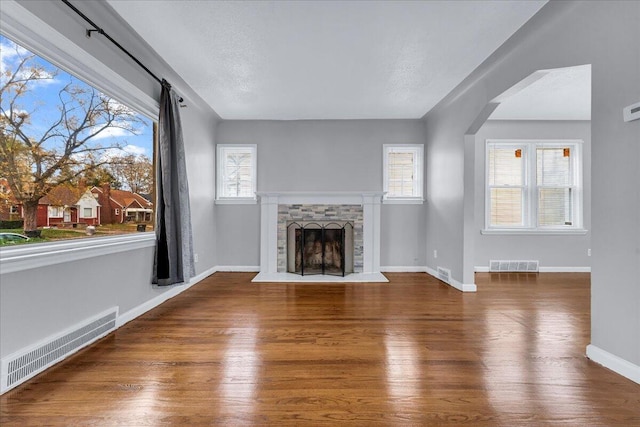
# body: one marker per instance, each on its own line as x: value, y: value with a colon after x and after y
x: 463, y: 287
x: 173, y: 291
x: 613, y: 362
x: 403, y: 269
x: 485, y: 269
x: 238, y: 268
x: 25, y: 257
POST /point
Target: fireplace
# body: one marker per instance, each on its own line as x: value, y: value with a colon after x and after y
x: 320, y: 248
x: 361, y: 209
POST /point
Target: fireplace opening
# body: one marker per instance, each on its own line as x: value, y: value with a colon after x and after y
x: 320, y: 248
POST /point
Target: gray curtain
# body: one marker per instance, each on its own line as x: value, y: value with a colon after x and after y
x: 174, y: 240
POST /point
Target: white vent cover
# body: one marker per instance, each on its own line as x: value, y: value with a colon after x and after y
x: 444, y: 274
x: 22, y: 365
x: 522, y: 266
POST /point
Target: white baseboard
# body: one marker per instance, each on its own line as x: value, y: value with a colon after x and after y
x: 320, y: 278
x: 120, y: 320
x: 565, y: 269
x: 238, y: 268
x: 153, y: 303
x: 401, y: 269
x: 485, y: 269
x: 464, y: 287
x: 613, y: 362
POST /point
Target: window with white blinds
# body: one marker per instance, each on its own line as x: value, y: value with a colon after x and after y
x: 402, y: 172
x: 236, y: 172
x: 533, y: 185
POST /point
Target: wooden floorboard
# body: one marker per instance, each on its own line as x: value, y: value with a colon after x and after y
x: 410, y: 352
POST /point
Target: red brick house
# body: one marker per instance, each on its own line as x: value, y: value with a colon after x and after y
x: 67, y: 205
x: 120, y: 206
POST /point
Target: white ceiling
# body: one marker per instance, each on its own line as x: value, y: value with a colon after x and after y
x: 557, y: 94
x: 324, y: 59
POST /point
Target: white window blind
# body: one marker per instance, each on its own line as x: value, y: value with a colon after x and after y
x: 506, y: 185
x: 402, y: 172
x: 88, y: 213
x: 533, y: 184
x: 236, y: 171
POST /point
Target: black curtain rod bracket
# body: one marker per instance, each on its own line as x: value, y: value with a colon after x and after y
x: 99, y: 30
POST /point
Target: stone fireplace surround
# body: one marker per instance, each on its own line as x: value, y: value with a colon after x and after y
x: 277, y: 208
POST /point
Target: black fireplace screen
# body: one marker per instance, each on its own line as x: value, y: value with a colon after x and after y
x: 315, y: 248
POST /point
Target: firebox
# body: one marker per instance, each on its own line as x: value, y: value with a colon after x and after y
x: 320, y: 248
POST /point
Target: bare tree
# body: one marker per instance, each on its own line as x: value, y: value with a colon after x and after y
x: 135, y: 172
x: 41, y: 151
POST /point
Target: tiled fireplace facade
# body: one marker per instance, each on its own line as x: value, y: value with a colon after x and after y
x: 321, y: 213
x: 279, y: 209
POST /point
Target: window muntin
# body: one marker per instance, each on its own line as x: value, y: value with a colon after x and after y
x: 236, y: 171
x: 402, y: 172
x: 533, y: 185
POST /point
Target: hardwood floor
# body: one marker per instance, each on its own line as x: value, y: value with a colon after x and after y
x: 411, y: 352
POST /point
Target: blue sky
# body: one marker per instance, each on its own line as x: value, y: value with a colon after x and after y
x: 43, y: 103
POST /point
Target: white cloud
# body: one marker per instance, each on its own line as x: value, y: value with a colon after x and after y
x: 135, y: 149
x: 112, y: 132
x: 114, y: 153
x: 10, y: 55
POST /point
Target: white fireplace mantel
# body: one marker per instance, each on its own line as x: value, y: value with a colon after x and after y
x: 370, y: 202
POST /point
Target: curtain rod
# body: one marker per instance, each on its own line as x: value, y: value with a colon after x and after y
x: 99, y: 30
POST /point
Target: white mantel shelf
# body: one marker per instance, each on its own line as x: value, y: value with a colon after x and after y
x: 370, y: 202
x: 320, y: 197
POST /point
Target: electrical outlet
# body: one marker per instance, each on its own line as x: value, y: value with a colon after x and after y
x: 435, y: 253
x: 589, y: 252
x: 195, y: 257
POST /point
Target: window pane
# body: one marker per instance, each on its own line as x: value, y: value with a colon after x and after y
x: 555, y: 206
x: 506, y: 167
x: 506, y: 207
x: 401, y: 174
x: 237, y: 172
x: 74, y: 150
x: 553, y: 166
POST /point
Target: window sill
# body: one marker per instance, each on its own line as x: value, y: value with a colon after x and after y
x: 239, y: 201
x: 401, y: 201
x: 543, y: 232
x: 27, y: 256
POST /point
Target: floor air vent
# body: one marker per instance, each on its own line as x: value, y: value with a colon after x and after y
x: 521, y: 266
x: 444, y: 274
x: 18, y: 368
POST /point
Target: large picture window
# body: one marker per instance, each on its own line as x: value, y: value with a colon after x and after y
x: 236, y: 173
x: 402, y: 173
x: 534, y: 185
x: 69, y: 152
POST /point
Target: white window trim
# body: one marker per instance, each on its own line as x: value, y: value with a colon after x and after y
x: 40, y: 38
x: 254, y: 178
x: 25, y: 257
x: 419, y: 174
x: 84, y: 213
x: 530, y: 210
x: 59, y: 211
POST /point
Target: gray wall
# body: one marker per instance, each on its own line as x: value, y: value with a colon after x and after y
x: 601, y: 33
x: 552, y: 251
x: 321, y: 155
x: 37, y: 303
